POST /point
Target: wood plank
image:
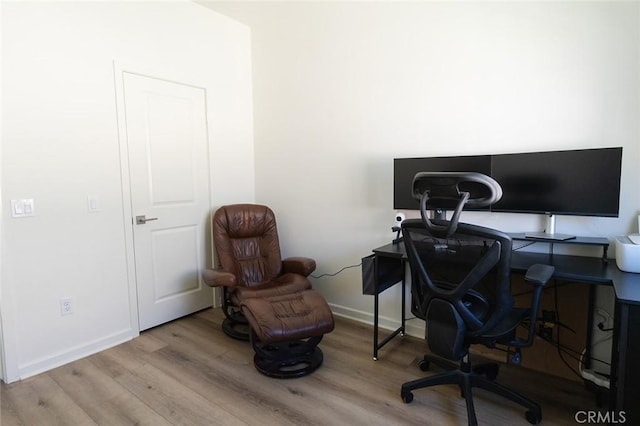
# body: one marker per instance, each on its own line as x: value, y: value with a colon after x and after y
x: 173, y: 400
x: 127, y: 357
x: 8, y: 413
x: 189, y: 372
x: 103, y: 399
x: 40, y: 400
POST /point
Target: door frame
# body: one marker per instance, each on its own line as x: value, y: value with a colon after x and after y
x: 168, y: 74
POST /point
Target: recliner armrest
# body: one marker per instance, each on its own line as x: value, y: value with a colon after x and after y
x: 539, y: 274
x: 299, y: 265
x: 218, y: 278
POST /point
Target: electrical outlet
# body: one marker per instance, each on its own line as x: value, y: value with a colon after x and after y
x: 545, y: 332
x: 549, y: 318
x: 548, y: 323
x: 66, y: 306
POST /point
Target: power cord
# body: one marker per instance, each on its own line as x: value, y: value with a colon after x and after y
x: 601, y: 327
x: 558, y: 344
x: 336, y: 273
x: 523, y: 246
x: 593, y: 376
x: 605, y: 318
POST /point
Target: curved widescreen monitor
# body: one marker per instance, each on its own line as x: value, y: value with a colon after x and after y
x: 404, y: 169
x: 584, y: 182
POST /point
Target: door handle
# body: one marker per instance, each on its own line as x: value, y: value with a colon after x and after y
x: 141, y: 220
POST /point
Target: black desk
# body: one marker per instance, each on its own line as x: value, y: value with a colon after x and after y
x: 625, y: 356
x: 384, y: 269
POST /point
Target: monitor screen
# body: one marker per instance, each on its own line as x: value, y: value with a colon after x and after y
x: 578, y: 182
x: 583, y: 182
x: 404, y: 169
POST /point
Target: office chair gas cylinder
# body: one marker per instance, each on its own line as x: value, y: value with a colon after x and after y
x: 460, y: 277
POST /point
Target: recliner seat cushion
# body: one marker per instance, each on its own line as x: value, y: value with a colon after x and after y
x: 288, y: 317
x: 284, y: 284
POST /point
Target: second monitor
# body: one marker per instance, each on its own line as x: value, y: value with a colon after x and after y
x: 583, y: 182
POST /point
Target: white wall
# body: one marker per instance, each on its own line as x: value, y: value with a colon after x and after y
x: 60, y: 143
x: 2, y: 363
x: 341, y: 88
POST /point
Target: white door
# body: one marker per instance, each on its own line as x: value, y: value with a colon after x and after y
x: 166, y: 134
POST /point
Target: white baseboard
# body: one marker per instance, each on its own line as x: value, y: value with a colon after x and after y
x: 73, y: 354
x: 414, y: 328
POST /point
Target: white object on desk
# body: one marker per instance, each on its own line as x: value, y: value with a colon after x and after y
x: 627, y: 255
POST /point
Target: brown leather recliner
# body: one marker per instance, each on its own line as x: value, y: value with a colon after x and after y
x: 267, y: 299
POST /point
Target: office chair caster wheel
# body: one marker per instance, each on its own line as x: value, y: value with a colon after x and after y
x: 533, y: 418
x: 490, y: 371
x: 407, y: 397
x: 424, y: 365
x: 516, y: 358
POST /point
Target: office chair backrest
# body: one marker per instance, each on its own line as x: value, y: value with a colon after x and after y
x: 460, y: 284
x: 452, y: 190
x: 460, y: 272
x: 246, y: 241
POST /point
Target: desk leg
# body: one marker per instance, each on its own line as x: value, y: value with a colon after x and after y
x: 402, y: 327
x: 625, y: 368
x: 587, y: 351
x: 376, y: 306
x: 375, y: 327
x: 399, y: 330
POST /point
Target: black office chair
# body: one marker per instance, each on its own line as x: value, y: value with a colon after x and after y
x: 461, y: 287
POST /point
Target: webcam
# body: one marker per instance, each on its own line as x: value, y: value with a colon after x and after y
x: 400, y: 217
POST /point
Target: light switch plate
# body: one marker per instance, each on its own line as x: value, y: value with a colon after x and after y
x: 93, y: 203
x: 22, y: 208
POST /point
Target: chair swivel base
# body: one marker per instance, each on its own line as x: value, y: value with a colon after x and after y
x: 467, y: 381
x: 235, y: 325
x: 489, y: 369
x: 288, y: 359
x: 286, y: 330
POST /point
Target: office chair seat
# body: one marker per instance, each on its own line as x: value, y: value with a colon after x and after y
x: 504, y: 331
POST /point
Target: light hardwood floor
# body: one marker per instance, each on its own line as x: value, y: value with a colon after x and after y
x: 188, y: 372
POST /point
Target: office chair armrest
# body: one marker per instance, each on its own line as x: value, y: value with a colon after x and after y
x: 539, y: 274
x: 218, y: 278
x: 299, y: 265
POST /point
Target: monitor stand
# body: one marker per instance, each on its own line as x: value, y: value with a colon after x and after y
x: 546, y: 236
x: 550, y: 233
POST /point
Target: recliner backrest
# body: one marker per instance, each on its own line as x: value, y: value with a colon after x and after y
x: 246, y: 242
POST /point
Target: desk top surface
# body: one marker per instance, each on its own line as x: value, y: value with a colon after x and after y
x: 584, y: 269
